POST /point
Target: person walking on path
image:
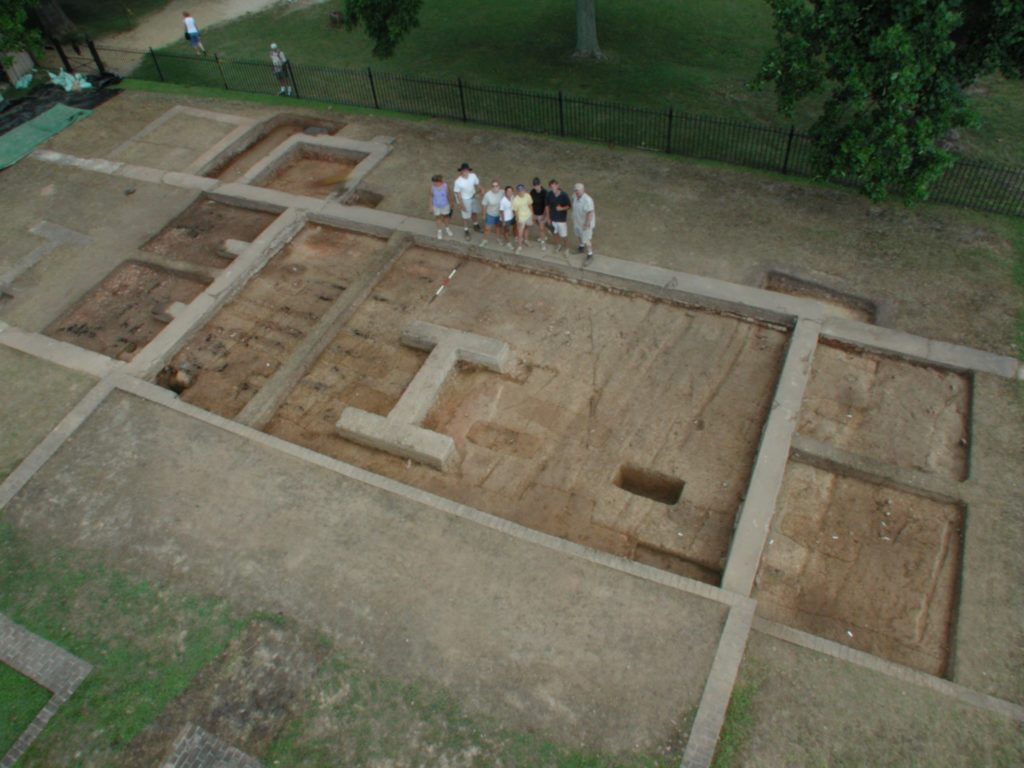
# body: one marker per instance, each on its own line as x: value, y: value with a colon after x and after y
x: 558, y: 211
x: 280, y: 64
x: 492, y: 211
x: 467, y: 187
x: 539, y: 197
x: 522, y: 207
x: 192, y: 33
x: 508, y: 216
x: 441, y: 205
x: 583, y: 220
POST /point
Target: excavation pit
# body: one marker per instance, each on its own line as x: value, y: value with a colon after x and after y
x: 198, y: 234
x: 364, y: 198
x: 538, y: 444
x: 649, y: 484
x: 244, y: 344
x: 842, y: 304
x: 269, y: 137
x: 865, y: 565
x: 311, y: 170
x: 911, y: 416
x: 126, y: 310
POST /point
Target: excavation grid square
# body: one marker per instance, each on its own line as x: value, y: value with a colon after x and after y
x: 599, y: 380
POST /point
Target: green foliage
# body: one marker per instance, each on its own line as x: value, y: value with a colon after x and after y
x: 20, y: 702
x: 894, y: 72
x: 15, y: 34
x: 385, y: 21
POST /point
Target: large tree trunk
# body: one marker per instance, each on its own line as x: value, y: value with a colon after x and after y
x: 54, y: 21
x: 586, y: 30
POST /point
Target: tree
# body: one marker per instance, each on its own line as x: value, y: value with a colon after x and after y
x: 894, y: 73
x: 15, y: 34
x: 388, y: 21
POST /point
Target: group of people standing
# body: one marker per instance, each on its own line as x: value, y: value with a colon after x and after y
x: 278, y: 60
x: 510, y: 212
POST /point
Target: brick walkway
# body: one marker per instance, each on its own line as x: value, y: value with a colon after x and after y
x: 196, y: 748
x: 48, y: 665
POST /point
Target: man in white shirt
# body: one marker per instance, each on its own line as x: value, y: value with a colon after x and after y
x: 279, y: 63
x: 192, y: 34
x: 583, y: 220
x: 492, y: 211
x: 466, y: 188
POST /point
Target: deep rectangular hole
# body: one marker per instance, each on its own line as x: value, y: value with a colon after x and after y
x: 649, y: 484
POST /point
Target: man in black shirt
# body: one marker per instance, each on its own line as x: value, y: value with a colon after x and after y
x: 540, y: 211
x: 558, y: 212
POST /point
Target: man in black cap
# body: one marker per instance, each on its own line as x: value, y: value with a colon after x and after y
x: 467, y: 189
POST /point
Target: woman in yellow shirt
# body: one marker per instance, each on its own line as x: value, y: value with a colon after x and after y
x: 522, y: 206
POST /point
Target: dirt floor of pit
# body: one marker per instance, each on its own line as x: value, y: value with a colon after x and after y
x: 236, y: 167
x: 248, y: 340
x: 197, y: 234
x: 602, y: 381
x: 911, y: 416
x: 864, y: 565
x: 126, y: 310
x: 313, y: 174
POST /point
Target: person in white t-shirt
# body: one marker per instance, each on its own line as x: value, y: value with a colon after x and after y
x: 192, y: 34
x: 466, y: 188
x: 508, y: 217
x: 492, y: 211
x: 584, y: 219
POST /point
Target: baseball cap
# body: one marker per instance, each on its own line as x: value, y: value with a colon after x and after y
x: 536, y: 181
x: 520, y: 188
x: 273, y: 46
x: 578, y: 187
x: 465, y: 167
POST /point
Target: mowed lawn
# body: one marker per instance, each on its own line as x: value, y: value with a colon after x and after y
x: 697, y: 57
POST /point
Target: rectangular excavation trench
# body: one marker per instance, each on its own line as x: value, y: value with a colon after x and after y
x: 601, y: 380
x: 311, y: 170
x: 269, y: 137
x: 865, y: 565
x: 197, y: 235
x: 126, y: 310
x: 243, y: 345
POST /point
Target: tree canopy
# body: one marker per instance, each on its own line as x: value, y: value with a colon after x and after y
x: 894, y: 74
x: 15, y: 33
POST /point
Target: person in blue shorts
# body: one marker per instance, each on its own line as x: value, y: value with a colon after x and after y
x: 192, y: 34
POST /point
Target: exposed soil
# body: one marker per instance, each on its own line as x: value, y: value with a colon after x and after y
x: 603, y: 381
x: 311, y: 172
x: 276, y: 132
x: 244, y: 698
x: 864, y: 565
x: 126, y: 310
x: 246, y: 342
x: 198, y: 233
x: 853, y: 307
x: 912, y: 416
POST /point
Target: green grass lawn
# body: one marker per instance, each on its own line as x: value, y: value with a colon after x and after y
x: 20, y: 702
x: 697, y: 57
x: 95, y: 18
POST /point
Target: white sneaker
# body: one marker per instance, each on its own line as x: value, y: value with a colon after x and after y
x: 448, y: 230
x: 483, y: 242
x: 519, y: 249
x: 508, y: 245
x: 439, y: 235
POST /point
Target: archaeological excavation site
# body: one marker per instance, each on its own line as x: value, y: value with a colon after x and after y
x: 612, y: 455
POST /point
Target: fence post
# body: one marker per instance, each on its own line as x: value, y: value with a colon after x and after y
x: 373, y: 88
x: 291, y: 78
x: 561, y: 114
x: 156, y: 63
x: 462, y: 100
x: 668, y: 133
x: 789, y: 146
x: 96, y: 58
x: 63, y: 57
x: 220, y: 68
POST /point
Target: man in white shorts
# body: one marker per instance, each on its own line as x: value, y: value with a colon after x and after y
x: 467, y: 188
x: 558, y: 212
x: 583, y: 220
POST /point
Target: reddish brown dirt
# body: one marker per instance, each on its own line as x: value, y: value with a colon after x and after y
x: 277, y: 133
x: 864, y: 565
x: 198, y: 233
x: 603, y: 380
x: 311, y: 173
x: 117, y: 317
x: 246, y: 342
x: 912, y: 416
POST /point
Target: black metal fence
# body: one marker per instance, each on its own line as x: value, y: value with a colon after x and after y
x: 968, y: 184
